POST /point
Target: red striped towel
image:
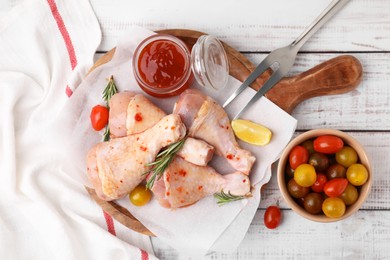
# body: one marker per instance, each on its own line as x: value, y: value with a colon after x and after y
x: 46, y: 47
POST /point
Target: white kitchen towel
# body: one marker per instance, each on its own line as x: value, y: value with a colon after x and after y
x: 46, y: 46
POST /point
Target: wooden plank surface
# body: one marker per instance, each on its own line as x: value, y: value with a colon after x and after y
x: 253, y: 26
x: 364, y: 237
x: 362, y: 29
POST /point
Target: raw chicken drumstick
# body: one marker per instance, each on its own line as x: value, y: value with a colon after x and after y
x: 132, y: 113
x: 205, y: 119
x: 116, y: 167
x: 184, y: 183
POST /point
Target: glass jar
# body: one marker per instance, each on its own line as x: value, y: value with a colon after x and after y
x: 164, y: 66
x: 209, y: 62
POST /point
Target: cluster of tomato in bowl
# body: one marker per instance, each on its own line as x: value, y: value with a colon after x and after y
x: 324, y: 176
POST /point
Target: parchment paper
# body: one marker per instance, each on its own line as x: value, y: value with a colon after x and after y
x: 204, y: 226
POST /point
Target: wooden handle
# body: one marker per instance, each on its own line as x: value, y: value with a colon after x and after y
x: 335, y: 76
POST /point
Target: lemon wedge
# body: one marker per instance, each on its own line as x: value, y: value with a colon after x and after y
x: 251, y: 132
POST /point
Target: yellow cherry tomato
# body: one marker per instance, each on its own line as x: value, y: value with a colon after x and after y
x: 357, y: 174
x: 350, y: 195
x: 305, y: 175
x: 140, y: 196
x: 333, y: 207
x: 346, y: 156
x: 250, y: 132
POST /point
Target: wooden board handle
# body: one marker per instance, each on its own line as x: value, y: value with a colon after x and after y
x: 335, y: 76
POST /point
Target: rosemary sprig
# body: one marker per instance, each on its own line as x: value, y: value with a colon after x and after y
x: 223, y: 198
x: 108, y: 92
x: 163, y: 159
x: 106, y: 135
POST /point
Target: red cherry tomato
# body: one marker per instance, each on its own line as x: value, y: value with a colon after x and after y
x: 335, y: 187
x: 328, y: 144
x: 298, y: 156
x: 272, y: 217
x: 99, y: 117
x: 318, y: 186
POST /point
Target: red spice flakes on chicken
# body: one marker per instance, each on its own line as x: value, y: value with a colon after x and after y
x: 197, y: 183
x: 204, y: 119
x: 138, y: 117
x: 127, y: 107
x: 117, y: 171
x: 184, y: 182
x: 182, y: 172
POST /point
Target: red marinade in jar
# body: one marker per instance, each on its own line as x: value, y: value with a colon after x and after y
x: 163, y: 66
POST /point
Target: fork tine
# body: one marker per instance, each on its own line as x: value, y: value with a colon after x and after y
x: 260, y: 69
x: 275, y: 77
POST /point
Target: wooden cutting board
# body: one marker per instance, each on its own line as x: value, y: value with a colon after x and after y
x: 335, y: 76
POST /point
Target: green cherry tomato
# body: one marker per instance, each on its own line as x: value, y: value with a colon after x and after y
x: 350, y: 195
x: 357, y: 174
x: 335, y: 187
x: 328, y: 144
x: 313, y: 203
x: 305, y: 175
x: 333, y: 207
x: 346, y: 156
x: 296, y: 190
x: 140, y: 196
x: 298, y: 156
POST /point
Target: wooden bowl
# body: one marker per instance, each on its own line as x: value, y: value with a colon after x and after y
x: 348, y: 140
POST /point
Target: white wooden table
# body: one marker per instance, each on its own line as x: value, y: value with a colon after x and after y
x: 255, y: 28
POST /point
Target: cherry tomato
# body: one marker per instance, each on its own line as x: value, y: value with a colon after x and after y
x: 308, y: 144
x: 335, y: 171
x: 272, y: 217
x: 300, y: 201
x: 350, y: 195
x: 328, y: 144
x: 318, y: 186
x: 333, y: 207
x: 335, y: 187
x: 289, y: 171
x: 320, y: 161
x: 99, y: 117
x: 346, y: 156
x: 305, y: 175
x: 357, y: 174
x: 313, y: 203
x: 296, y: 190
x: 140, y: 196
x: 298, y: 156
